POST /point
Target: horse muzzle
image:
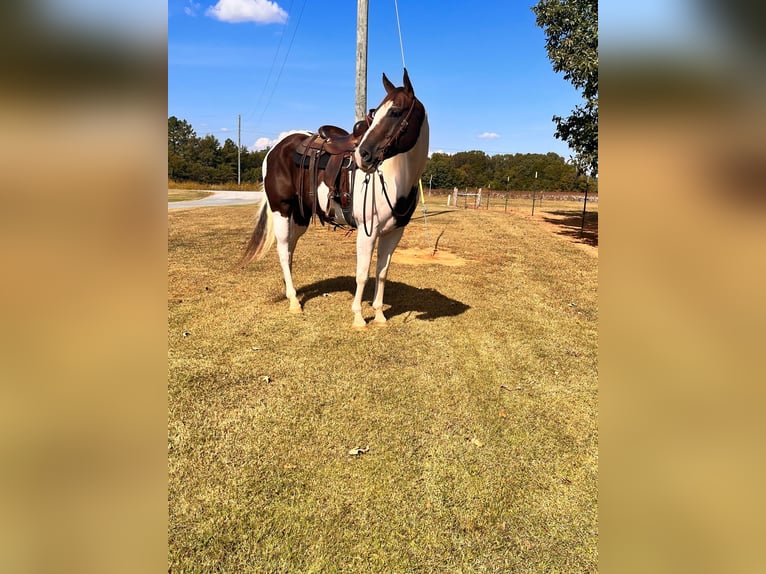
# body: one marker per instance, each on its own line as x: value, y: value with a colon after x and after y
x: 366, y: 160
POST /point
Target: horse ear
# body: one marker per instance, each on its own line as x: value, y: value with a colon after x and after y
x: 407, y: 84
x: 387, y: 84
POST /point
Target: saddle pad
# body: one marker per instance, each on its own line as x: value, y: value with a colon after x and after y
x: 321, y: 162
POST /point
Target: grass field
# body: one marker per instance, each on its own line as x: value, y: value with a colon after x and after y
x: 477, y: 404
x: 186, y: 194
x: 230, y: 186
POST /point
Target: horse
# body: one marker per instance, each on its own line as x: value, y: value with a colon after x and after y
x: 393, y: 149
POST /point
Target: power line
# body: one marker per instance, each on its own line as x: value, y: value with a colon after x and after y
x: 271, y: 68
x: 282, y: 67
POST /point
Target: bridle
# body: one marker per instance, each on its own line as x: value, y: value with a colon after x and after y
x: 396, y: 134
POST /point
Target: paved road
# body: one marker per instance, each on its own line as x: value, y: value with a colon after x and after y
x: 220, y: 198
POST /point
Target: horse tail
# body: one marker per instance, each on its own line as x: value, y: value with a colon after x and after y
x: 262, y: 237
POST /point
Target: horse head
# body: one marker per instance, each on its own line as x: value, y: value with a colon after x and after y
x: 394, y: 126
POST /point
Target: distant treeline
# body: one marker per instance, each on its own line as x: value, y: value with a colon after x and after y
x: 205, y: 160
x: 504, y: 172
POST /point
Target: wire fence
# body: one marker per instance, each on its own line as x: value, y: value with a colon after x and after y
x: 480, y: 198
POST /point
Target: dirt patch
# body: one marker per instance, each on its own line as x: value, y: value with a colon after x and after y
x: 422, y: 256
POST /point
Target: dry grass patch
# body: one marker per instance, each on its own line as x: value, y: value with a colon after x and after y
x: 478, y: 404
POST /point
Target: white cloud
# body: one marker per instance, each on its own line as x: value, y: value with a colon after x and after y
x: 489, y: 136
x: 192, y: 8
x: 224, y: 129
x: 263, y: 143
x: 259, y: 11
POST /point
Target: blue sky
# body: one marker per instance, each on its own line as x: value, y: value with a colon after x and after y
x: 480, y: 68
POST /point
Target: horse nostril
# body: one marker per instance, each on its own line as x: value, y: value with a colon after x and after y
x: 365, y: 154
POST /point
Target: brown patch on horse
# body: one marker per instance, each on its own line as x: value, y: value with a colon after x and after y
x: 279, y: 183
x: 280, y: 187
x: 405, y: 207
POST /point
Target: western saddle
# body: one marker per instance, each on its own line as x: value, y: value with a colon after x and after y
x: 328, y: 155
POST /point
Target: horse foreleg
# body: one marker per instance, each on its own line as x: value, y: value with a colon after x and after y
x: 287, y: 234
x: 386, y: 246
x: 364, y: 247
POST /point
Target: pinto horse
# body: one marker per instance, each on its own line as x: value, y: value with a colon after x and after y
x: 389, y: 160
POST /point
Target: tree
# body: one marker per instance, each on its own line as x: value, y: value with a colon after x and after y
x: 474, y: 167
x: 498, y: 172
x: 181, y: 143
x: 438, y: 168
x: 205, y: 160
x: 227, y: 171
x: 571, y: 31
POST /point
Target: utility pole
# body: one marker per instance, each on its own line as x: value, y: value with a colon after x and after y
x: 361, y: 59
x: 239, y: 146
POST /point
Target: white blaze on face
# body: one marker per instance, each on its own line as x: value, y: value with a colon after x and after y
x: 380, y: 113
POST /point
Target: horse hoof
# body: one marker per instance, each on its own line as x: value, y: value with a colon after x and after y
x: 379, y: 323
x: 359, y: 327
x: 296, y: 310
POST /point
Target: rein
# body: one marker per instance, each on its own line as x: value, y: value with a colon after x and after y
x: 368, y: 232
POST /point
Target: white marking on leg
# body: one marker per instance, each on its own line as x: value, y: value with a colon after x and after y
x: 364, y: 247
x: 386, y: 246
x: 285, y: 247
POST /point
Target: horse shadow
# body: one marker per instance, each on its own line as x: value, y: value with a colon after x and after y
x: 428, y: 304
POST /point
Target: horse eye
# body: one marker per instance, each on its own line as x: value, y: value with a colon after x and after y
x: 395, y: 112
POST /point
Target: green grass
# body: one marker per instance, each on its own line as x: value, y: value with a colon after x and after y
x: 478, y: 403
x: 228, y: 186
x: 186, y: 194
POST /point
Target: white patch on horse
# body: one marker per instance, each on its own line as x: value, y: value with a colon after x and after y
x: 380, y: 113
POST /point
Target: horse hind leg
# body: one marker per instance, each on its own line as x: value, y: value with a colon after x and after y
x: 287, y: 234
